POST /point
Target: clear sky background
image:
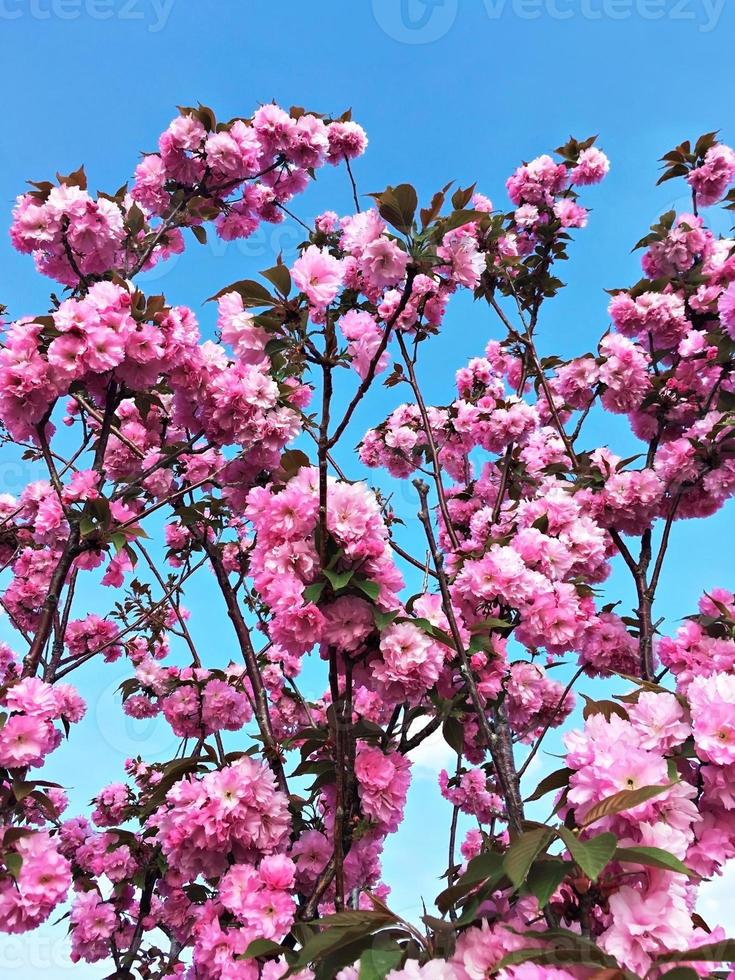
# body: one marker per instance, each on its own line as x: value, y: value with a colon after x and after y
x: 447, y: 89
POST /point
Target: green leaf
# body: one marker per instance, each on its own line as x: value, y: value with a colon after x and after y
x: 313, y: 767
x: 723, y: 952
x: 582, y: 956
x: 432, y: 213
x: 489, y: 864
x: 338, y: 580
x: 13, y: 834
x: 322, y: 944
x: 486, y: 867
x: 433, y: 631
x: 462, y: 197
x: 280, y: 277
x: 263, y: 947
x: 77, y: 178
x: 313, y: 592
x: 118, y: 540
x: 523, y: 852
x: 591, y: 855
x: 625, y: 800
x: 135, y: 220
x: 397, y: 205
x: 453, y: 732
x: 545, y: 877
x: 13, y: 862
x: 345, y: 956
x: 375, y: 963
x: 21, y: 790
x: 293, y: 460
x: 252, y: 293
x: 654, y: 857
x: 383, y: 619
x: 606, y: 708
x: 556, y: 780
x: 357, y: 918
x: 491, y: 623
x: 343, y: 930
x: 371, y: 589
x: 706, y: 142
x: 459, y: 218
x: 86, y: 526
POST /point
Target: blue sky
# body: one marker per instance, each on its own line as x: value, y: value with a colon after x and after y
x: 447, y: 89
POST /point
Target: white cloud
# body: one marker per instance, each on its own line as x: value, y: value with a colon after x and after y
x: 716, y: 904
x: 432, y: 755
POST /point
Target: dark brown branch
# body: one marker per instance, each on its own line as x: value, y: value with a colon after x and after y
x: 435, y: 465
x: 498, y: 741
x: 242, y: 632
x: 50, y: 605
x: 372, y: 368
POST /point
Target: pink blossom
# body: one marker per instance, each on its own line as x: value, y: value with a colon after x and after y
x: 383, y: 263
x: 727, y: 310
x: 41, y: 884
x: 714, y: 176
x: 383, y: 781
x: 25, y: 740
x: 410, y: 660
x: 645, y: 923
x: 592, y: 167
x: 713, y: 717
x: 319, y: 275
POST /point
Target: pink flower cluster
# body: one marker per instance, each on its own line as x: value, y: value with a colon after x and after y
x: 484, y: 415
x: 656, y: 318
x: 542, y: 192
x: 192, y: 710
x: 710, y: 180
x: 471, y: 794
x: 410, y: 662
x: 97, y: 335
x: 29, y: 733
x: 689, y: 817
x: 685, y: 243
x: 535, y: 700
x: 359, y: 253
x: 225, y: 850
x: 37, y: 876
x: 260, y: 898
x: 236, y: 812
x: 284, y: 560
x: 537, y: 182
x: 194, y: 701
x: 696, y: 650
x: 273, y: 152
x: 69, y: 233
x: 383, y: 781
x: 28, y: 898
x: 553, y: 542
x: 239, y: 173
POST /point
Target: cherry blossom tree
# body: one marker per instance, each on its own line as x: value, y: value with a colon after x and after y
x: 255, y: 850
